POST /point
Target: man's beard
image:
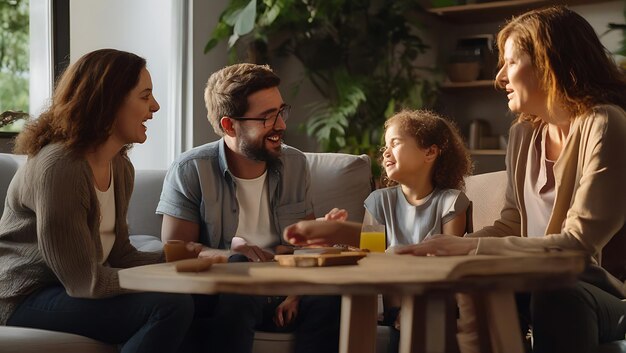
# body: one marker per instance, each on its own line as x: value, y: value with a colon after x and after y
x: 258, y: 151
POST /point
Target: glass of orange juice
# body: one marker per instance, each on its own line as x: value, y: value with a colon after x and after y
x: 373, y: 238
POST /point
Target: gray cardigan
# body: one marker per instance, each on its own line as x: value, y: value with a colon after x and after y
x: 49, y: 231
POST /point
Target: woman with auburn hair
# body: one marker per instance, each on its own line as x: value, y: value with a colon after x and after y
x: 63, y: 233
x: 565, y: 165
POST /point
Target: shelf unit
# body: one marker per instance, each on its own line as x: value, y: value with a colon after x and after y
x: 486, y: 152
x: 496, y: 10
x: 469, y: 84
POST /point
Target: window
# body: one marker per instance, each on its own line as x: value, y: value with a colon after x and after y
x: 40, y: 29
x: 14, y: 64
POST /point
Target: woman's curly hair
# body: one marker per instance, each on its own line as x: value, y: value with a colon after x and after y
x: 453, y: 163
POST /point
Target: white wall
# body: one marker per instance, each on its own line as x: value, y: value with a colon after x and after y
x: 203, y: 16
x: 599, y: 15
x: 143, y: 27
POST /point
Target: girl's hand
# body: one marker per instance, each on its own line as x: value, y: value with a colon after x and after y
x: 323, y: 233
x: 336, y: 215
x: 287, y: 311
x: 441, y: 245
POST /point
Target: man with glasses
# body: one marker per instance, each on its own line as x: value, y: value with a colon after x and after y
x: 235, y: 196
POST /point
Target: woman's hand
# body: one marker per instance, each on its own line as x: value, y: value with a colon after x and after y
x: 287, y: 311
x: 323, y: 233
x: 441, y: 245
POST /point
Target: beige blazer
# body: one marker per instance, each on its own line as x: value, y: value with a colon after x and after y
x: 589, y: 211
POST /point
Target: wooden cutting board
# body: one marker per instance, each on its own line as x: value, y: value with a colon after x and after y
x: 320, y: 260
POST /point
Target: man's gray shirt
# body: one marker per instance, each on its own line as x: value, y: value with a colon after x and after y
x: 200, y: 188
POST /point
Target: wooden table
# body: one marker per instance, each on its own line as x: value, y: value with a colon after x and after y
x: 423, y: 283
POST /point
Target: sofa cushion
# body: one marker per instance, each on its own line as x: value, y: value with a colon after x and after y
x: 28, y: 340
x: 142, y: 218
x: 613, y: 347
x: 8, y: 165
x: 487, y: 192
x: 340, y: 180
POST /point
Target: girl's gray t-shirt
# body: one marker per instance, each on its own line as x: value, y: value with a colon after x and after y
x: 407, y: 224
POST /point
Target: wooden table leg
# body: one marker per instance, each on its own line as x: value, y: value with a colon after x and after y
x: 498, y: 308
x: 423, y: 324
x: 358, y: 324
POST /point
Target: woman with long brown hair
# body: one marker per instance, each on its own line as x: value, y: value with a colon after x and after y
x: 63, y: 233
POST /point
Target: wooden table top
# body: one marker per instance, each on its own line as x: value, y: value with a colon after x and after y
x: 376, y: 273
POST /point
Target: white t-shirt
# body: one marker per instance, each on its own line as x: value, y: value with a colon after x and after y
x: 254, y: 214
x: 107, y: 219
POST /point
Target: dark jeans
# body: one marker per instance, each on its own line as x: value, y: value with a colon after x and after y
x: 236, y: 317
x: 140, y: 322
x: 389, y: 319
x: 574, y: 320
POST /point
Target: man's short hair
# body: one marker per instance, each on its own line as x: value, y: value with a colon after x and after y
x: 227, y: 90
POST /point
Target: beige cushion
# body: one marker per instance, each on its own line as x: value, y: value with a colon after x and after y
x: 486, y: 191
x: 271, y: 342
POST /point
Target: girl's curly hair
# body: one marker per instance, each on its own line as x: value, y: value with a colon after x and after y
x: 453, y: 163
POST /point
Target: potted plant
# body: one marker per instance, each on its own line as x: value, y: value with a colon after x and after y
x: 622, y: 50
x: 359, y: 54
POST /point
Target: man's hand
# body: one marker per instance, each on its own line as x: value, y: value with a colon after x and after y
x: 179, y: 250
x: 441, y: 245
x: 252, y: 252
x: 287, y: 311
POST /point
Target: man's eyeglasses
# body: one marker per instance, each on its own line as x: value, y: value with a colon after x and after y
x: 283, y: 112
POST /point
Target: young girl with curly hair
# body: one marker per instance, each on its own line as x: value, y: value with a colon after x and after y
x: 424, y: 162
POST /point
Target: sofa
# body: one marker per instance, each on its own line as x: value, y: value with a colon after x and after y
x: 337, y: 180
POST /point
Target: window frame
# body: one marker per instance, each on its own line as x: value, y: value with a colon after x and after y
x: 49, y: 47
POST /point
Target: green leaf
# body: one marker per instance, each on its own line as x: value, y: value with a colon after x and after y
x: 270, y: 15
x: 245, y: 20
x: 391, y: 108
x: 232, y: 40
